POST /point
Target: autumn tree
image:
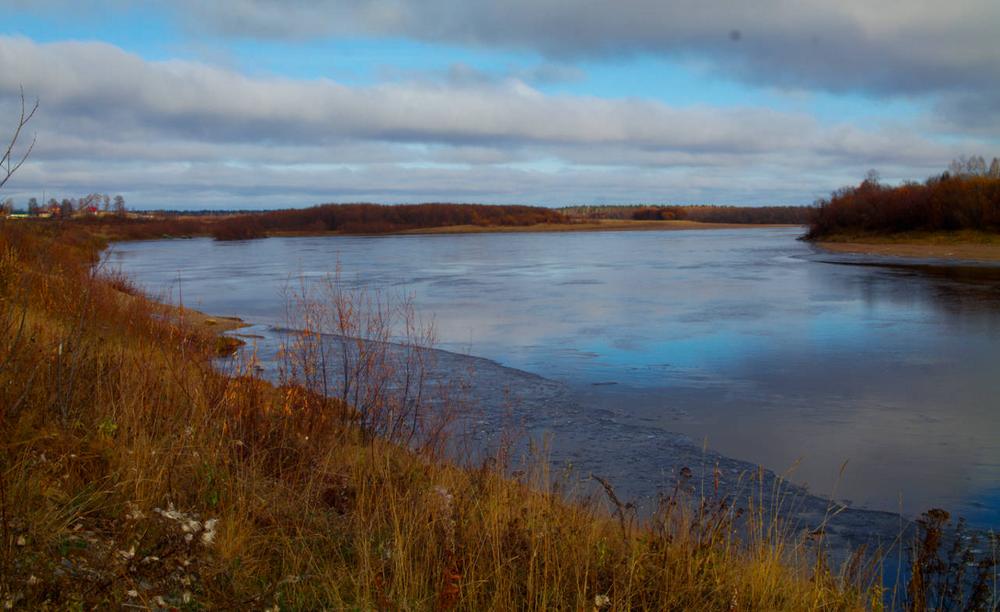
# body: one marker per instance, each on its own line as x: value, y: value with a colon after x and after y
x: 32, y: 206
x: 119, y: 205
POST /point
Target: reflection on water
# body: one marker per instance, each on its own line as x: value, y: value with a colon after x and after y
x: 746, y: 339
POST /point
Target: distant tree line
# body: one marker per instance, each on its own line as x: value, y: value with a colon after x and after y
x: 974, y: 166
x: 377, y: 219
x: 966, y: 197
x: 340, y: 218
x: 794, y: 215
x: 90, y: 204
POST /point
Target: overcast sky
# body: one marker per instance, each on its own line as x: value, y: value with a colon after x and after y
x: 264, y: 104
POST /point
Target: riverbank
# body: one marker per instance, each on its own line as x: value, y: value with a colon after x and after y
x: 192, y: 227
x: 598, y: 225
x: 955, y: 246
x: 135, y: 474
x: 648, y: 460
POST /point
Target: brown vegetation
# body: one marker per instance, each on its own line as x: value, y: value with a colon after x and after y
x: 421, y: 218
x: 327, y: 218
x: 946, y: 203
x: 142, y: 228
x: 750, y: 215
x: 379, y: 219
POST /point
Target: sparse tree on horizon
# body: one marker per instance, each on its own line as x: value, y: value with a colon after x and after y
x: 88, y: 202
x: 119, y: 205
x: 978, y: 166
x: 32, y: 206
x: 973, y: 166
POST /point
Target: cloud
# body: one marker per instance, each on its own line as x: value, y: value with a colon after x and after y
x: 895, y: 46
x: 182, y: 133
x: 945, y: 52
x: 98, y: 87
x: 882, y: 49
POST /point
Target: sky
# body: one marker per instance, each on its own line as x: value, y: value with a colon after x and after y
x: 249, y: 104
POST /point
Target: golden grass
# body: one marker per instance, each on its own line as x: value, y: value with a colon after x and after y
x: 133, y: 473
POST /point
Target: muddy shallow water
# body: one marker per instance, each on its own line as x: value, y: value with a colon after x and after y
x: 643, y: 351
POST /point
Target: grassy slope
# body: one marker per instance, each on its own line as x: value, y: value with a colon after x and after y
x: 133, y: 472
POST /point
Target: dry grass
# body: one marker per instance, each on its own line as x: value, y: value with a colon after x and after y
x: 133, y: 473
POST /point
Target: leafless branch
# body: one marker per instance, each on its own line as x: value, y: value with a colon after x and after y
x: 8, y: 165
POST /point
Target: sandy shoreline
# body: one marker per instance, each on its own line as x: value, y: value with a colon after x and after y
x: 600, y: 225
x: 955, y: 252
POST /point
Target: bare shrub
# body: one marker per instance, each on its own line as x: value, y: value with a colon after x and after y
x: 373, y: 353
x: 951, y: 568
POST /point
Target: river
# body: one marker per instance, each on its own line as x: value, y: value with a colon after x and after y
x: 748, y: 343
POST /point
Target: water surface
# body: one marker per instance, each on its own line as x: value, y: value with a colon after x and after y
x: 746, y: 341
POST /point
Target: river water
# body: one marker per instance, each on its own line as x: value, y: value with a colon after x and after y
x: 745, y: 342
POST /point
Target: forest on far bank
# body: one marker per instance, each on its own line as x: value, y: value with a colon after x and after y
x: 764, y: 215
x: 367, y: 218
x: 966, y: 197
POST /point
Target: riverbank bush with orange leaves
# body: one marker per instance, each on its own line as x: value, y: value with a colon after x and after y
x: 945, y: 203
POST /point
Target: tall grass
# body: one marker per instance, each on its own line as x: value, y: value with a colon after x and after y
x: 135, y: 473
